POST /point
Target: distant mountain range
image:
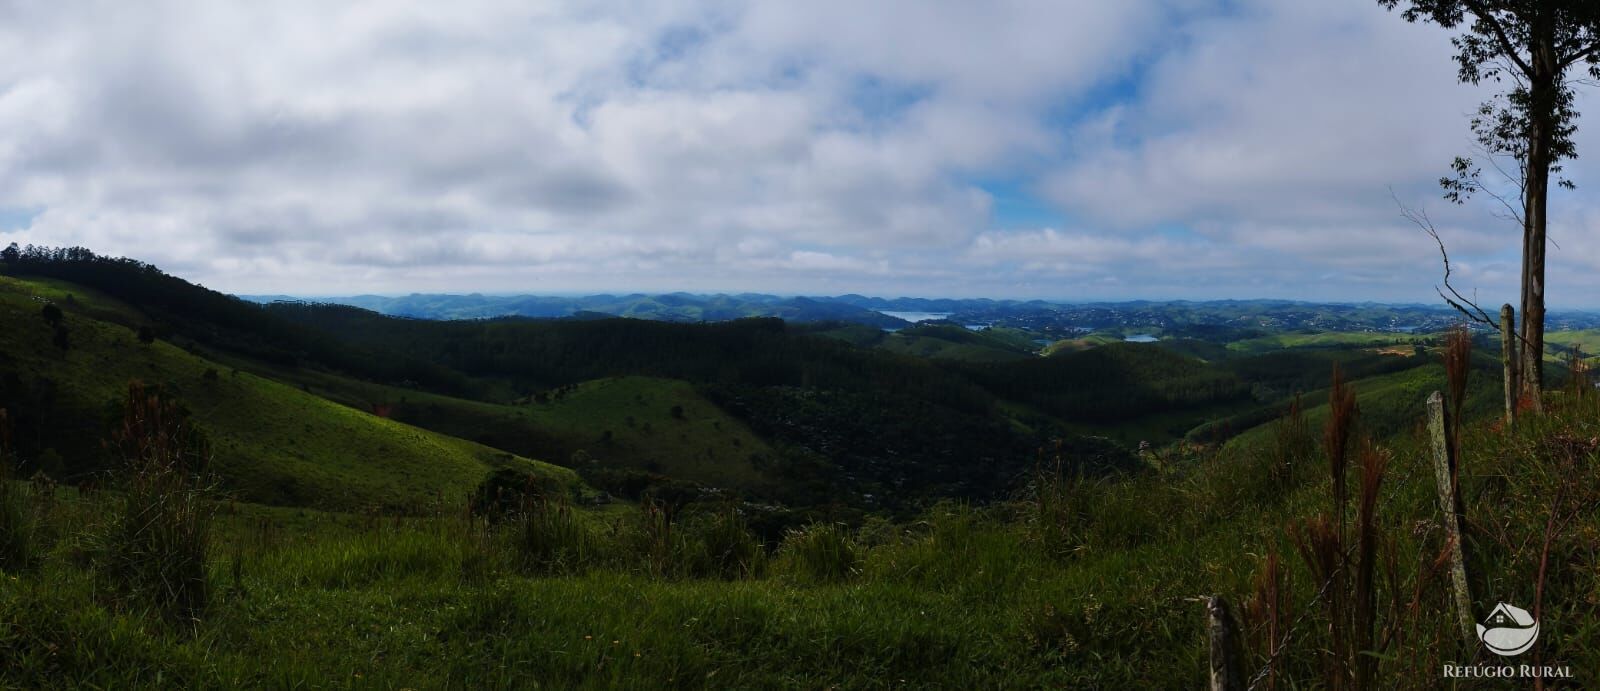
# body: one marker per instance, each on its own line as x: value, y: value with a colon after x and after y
x: 893, y: 313
x: 675, y: 307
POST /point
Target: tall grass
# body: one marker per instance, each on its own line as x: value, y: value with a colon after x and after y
x: 1058, y: 506
x: 1266, y: 618
x: 820, y: 553
x: 653, y: 537
x: 550, y: 538
x: 731, y: 550
x: 1293, y: 444
x: 1374, y: 462
x: 19, y: 523
x: 1343, y: 567
x: 1337, y: 433
x: 155, y: 554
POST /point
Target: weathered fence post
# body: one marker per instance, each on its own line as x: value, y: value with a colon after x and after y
x: 1508, y: 360
x: 1450, y: 507
x: 1224, y: 634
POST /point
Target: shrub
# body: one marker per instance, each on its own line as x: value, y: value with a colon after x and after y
x: 822, y: 553
x: 156, y: 551
x: 508, y: 491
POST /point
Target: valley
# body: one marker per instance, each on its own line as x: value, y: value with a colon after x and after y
x: 685, y: 469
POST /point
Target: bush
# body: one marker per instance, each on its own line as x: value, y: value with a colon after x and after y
x: 821, y: 553
x: 507, y: 492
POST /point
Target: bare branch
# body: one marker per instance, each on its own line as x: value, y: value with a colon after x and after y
x: 1455, y: 299
x: 1520, y: 179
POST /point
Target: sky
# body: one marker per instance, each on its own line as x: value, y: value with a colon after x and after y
x: 1060, y: 149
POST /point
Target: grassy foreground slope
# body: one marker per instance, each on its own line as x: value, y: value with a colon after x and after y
x: 1019, y: 595
x: 273, y: 443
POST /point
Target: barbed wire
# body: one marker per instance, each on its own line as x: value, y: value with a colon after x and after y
x: 1282, y: 645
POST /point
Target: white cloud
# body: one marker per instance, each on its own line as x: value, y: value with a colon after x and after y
x: 1194, y: 147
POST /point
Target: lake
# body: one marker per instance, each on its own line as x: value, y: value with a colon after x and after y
x: 917, y: 316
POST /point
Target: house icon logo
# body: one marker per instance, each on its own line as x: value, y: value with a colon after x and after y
x: 1509, y: 630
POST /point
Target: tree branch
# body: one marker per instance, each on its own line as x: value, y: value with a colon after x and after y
x: 1489, y: 19
x: 1581, y: 55
x: 1460, y: 302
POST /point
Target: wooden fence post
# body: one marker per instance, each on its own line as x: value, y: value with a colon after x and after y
x: 1508, y: 360
x: 1450, y: 508
x: 1224, y: 635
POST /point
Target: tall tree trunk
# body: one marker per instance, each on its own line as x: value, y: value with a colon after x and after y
x: 1533, y: 245
x: 1543, y: 87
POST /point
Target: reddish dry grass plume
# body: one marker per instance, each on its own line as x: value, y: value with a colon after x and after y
x: 1336, y: 439
x: 1373, y: 464
x: 1266, y: 616
x: 1292, y: 443
x: 156, y: 556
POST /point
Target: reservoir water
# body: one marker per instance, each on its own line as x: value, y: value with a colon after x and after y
x: 917, y: 316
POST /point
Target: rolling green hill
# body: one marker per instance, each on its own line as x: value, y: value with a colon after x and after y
x: 644, y: 423
x: 1328, y: 339
x: 937, y: 559
x: 273, y: 443
x: 950, y: 342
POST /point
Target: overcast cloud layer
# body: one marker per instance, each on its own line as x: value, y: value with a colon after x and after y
x: 1065, y: 149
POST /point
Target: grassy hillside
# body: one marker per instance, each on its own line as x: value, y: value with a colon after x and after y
x: 645, y: 423
x: 1328, y: 339
x: 1057, y: 580
x: 950, y: 342
x: 1075, y: 345
x: 937, y: 341
x: 1112, y: 383
x: 273, y: 443
x: 1082, y: 585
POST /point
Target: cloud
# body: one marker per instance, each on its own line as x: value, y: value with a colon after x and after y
x: 1192, y: 148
